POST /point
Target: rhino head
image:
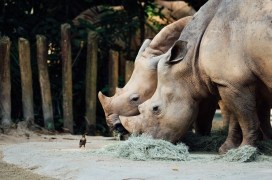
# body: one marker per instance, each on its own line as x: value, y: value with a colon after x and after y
x: 173, y: 108
x: 143, y: 81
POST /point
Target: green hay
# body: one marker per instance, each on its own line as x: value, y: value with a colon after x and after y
x: 212, y: 143
x: 265, y: 147
x: 241, y: 154
x: 206, y: 143
x: 142, y: 148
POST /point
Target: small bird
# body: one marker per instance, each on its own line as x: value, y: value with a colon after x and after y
x: 82, y: 141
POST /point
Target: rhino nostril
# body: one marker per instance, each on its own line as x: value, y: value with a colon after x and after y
x: 155, y: 108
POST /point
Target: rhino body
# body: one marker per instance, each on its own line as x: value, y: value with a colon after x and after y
x: 224, y: 52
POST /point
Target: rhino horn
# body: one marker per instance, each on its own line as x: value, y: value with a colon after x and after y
x: 143, y: 47
x: 170, y: 32
x: 104, y: 100
x: 118, y: 90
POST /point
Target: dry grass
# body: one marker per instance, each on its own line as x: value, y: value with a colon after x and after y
x: 142, y: 148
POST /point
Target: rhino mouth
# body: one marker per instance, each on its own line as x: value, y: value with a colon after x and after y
x: 120, y: 128
x: 114, y: 123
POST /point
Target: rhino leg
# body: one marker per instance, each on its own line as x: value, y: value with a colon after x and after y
x: 203, y: 122
x: 235, y: 136
x: 241, y: 102
x: 225, y: 113
x: 264, y: 117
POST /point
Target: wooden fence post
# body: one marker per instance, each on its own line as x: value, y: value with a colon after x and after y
x: 113, y: 71
x: 91, y: 80
x: 129, y: 70
x: 5, y: 87
x: 122, y: 65
x: 44, y: 82
x: 26, y: 80
x: 67, y: 77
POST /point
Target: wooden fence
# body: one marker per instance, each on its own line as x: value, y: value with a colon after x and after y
x: 66, y: 56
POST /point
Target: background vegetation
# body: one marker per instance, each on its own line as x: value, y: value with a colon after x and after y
x: 27, y: 18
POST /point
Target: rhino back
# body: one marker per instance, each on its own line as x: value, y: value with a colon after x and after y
x: 236, y: 46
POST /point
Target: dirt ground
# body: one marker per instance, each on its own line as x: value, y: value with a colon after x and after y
x: 28, y: 155
x: 13, y: 172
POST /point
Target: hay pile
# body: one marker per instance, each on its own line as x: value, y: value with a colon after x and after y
x: 206, y: 143
x: 265, y: 147
x: 241, y: 154
x: 142, y: 148
x: 212, y: 143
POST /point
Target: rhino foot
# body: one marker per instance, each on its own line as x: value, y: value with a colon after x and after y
x: 227, y: 146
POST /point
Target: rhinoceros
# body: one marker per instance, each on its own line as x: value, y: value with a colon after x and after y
x: 224, y: 52
x: 143, y: 81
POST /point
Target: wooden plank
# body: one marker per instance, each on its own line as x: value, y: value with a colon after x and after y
x: 26, y: 80
x: 129, y: 70
x: 91, y: 82
x: 47, y: 106
x: 67, y: 77
x: 113, y: 71
x: 5, y: 86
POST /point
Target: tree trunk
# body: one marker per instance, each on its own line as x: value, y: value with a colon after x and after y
x: 26, y: 80
x: 67, y: 77
x: 113, y: 71
x: 5, y: 87
x: 142, y: 22
x: 129, y: 70
x: 44, y: 83
x: 91, y: 79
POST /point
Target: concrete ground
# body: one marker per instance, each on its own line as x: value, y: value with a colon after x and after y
x: 35, y: 156
x: 59, y: 157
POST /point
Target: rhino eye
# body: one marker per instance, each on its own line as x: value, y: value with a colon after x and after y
x: 134, y: 97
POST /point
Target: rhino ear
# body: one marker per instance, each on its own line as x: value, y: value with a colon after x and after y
x: 143, y: 47
x: 178, y: 51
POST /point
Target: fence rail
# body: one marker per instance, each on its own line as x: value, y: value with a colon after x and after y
x: 117, y: 66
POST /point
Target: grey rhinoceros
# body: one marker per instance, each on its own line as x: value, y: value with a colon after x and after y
x: 224, y: 51
x: 143, y: 81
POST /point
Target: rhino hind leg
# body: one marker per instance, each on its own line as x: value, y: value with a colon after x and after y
x: 242, y: 105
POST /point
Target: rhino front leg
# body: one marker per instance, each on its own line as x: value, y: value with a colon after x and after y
x: 235, y: 136
x: 203, y: 122
x: 264, y: 117
x: 242, y: 104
